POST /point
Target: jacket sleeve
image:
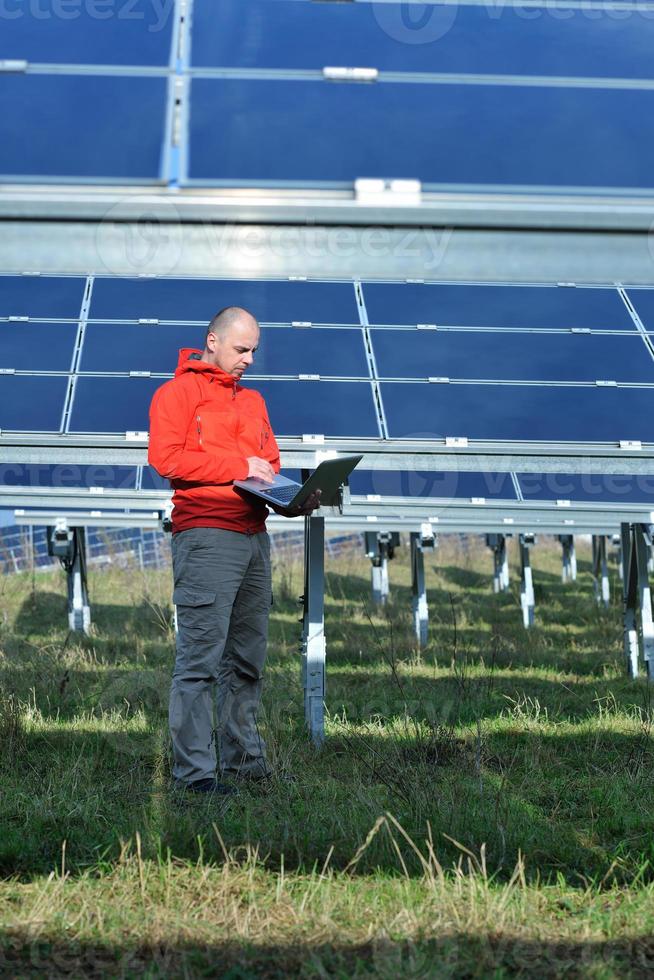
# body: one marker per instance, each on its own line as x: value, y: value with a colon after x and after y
x: 171, y: 414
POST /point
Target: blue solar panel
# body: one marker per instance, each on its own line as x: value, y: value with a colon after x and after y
x: 31, y: 404
x: 42, y: 347
x: 82, y: 126
x: 330, y: 408
x: 41, y: 296
x: 600, y: 488
x: 451, y: 485
x: 68, y: 476
x: 335, y: 353
x: 529, y: 412
x: 560, y: 307
x: 287, y: 351
x: 643, y: 301
x: 116, y: 347
x: 152, y: 481
x: 112, y: 404
x: 439, y: 134
x: 505, y: 356
x: 137, y: 32
x: 333, y: 408
x: 274, y: 301
x: 437, y: 38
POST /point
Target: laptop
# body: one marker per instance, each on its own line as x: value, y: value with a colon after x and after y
x: 328, y: 477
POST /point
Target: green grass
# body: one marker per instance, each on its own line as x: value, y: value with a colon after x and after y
x: 482, y: 807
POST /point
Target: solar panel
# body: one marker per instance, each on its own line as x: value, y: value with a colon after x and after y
x: 37, y: 347
x: 456, y: 135
x: 51, y: 297
x: 282, y: 350
x: 31, y: 404
x: 643, y: 301
x: 504, y: 356
x: 272, y: 301
x: 330, y: 408
x: 68, y: 475
x: 517, y: 307
x: 134, y: 32
x: 67, y: 126
x: 112, y: 404
x: 519, y: 412
x: 445, y: 485
x: 434, y: 38
x: 600, y: 488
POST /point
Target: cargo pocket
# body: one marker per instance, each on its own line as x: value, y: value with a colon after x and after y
x: 193, y: 597
x: 195, y: 619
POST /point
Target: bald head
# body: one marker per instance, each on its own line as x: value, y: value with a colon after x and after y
x: 231, y: 341
x: 229, y: 317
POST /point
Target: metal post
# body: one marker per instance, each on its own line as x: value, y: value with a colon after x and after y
x: 379, y: 550
x: 497, y: 544
x: 69, y: 546
x: 643, y: 552
x: 313, y: 628
x: 569, y: 567
x: 527, y: 600
x: 601, y: 571
x: 418, y: 590
x: 629, y: 598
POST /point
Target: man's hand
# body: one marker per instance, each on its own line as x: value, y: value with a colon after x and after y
x: 260, y: 469
x: 309, y: 505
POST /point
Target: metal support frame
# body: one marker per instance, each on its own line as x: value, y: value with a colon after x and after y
x: 527, y: 600
x: 497, y: 544
x: 380, y: 548
x: 68, y: 544
x: 601, y: 571
x: 313, y: 628
x: 569, y: 566
x: 419, y: 604
x: 637, y: 598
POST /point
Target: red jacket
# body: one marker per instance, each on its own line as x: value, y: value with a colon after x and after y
x: 203, y: 426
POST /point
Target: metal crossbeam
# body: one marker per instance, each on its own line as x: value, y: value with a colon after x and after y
x: 485, y: 456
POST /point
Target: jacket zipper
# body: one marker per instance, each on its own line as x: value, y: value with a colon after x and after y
x: 198, y: 421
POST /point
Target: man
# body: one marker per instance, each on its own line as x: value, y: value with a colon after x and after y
x: 205, y: 432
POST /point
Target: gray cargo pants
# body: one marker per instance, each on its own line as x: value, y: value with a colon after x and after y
x: 223, y: 592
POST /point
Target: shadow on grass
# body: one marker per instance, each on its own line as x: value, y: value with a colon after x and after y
x: 461, y: 954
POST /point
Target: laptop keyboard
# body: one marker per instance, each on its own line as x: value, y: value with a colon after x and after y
x: 281, y: 495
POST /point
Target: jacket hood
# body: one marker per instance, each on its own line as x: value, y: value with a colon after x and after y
x: 190, y: 360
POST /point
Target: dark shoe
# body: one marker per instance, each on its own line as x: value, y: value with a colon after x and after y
x: 208, y: 786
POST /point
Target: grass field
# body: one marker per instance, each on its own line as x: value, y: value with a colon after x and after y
x: 483, y: 807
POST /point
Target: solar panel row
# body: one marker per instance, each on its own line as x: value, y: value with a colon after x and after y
x: 466, y: 97
x: 534, y: 307
x: 96, y: 376
x: 461, y: 486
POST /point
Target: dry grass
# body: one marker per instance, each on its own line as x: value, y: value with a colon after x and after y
x: 482, y: 807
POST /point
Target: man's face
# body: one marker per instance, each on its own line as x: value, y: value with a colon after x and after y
x: 233, y: 351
